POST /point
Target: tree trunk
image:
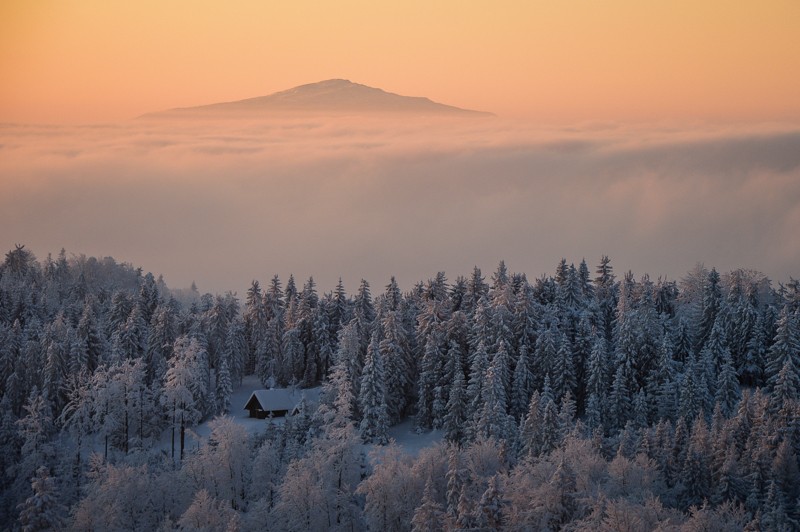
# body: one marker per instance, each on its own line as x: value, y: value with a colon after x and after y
x: 183, y: 435
x: 173, y: 432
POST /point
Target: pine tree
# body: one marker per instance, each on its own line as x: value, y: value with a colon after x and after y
x: 690, y: 403
x: 596, y: 381
x: 293, y: 367
x: 606, y: 296
x: 787, y: 387
x: 428, y: 379
x: 493, y: 421
x: 42, y: 510
x: 398, y: 363
x: 90, y: 337
x: 223, y: 389
x: 727, y: 388
x: 456, y: 415
x: 489, y: 513
x: 640, y: 417
x: 619, y: 401
x: 502, y: 366
x: 566, y: 414
x: 550, y: 428
x: 236, y: 350
x: 712, y: 299
x: 161, y: 337
x: 774, y: 516
x: 456, y: 479
x: 546, y: 352
x: 476, y: 289
x: 752, y: 369
x: 372, y: 397
x: 696, y: 472
x: 466, y: 518
x: 522, y: 385
x: 564, y: 369
x: 786, y: 347
x: 255, y: 323
x: 662, y: 387
x: 562, y: 483
x: 429, y: 514
x: 132, y: 335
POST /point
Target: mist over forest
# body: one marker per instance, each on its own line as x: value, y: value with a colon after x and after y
x: 221, y: 202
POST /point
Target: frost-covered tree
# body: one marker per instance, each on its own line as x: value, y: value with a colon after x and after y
x: 429, y: 515
x: 223, y: 464
x: 785, y: 347
x: 493, y: 421
x: 224, y: 388
x: 372, y: 397
x: 391, y: 492
x: 207, y: 514
x: 727, y: 388
x: 522, y: 384
x: 43, y: 509
x: 182, y: 386
x: 398, y: 364
x: 456, y: 416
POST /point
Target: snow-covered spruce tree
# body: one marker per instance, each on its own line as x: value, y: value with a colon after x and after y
x: 456, y: 416
x: 428, y: 379
x: 235, y: 350
x: 398, y: 364
x: 429, y: 515
x: 712, y: 300
x: 787, y: 387
x: 478, y: 366
x: 727, y: 388
x: 255, y: 324
x: 489, y: 513
x: 372, y: 397
x: 785, y: 347
x: 565, y: 378
x: 90, y: 339
x: 522, y: 384
x: 293, y: 358
x: 493, y: 421
x: 596, y: 383
x: 606, y: 293
x: 224, y: 388
x: 43, y: 509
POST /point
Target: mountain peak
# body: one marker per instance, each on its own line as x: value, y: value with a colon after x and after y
x: 332, y: 96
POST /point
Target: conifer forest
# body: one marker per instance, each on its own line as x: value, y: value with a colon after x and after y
x: 587, y: 398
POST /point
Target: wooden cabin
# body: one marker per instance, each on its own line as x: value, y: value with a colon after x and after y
x: 273, y: 403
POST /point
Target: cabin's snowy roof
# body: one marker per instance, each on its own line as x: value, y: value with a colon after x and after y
x: 277, y: 399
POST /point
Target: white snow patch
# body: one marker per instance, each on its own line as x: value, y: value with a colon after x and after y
x: 409, y: 440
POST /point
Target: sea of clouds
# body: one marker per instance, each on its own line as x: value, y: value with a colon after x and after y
x: 225, y: 202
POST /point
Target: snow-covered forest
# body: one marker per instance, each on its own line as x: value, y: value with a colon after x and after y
x: 588, y: 399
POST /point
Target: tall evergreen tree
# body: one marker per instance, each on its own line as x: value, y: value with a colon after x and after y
x: 727, y: 386
x: 456, y: 416
x: 785, y: 347
x: 372, y: 397
x: 522, y: 385
x: 223, y: 389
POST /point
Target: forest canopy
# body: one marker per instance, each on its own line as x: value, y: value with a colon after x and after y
x: 579, y: 400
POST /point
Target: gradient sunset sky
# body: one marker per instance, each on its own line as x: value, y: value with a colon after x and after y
x: 663, y: 134
x: 81, y: 61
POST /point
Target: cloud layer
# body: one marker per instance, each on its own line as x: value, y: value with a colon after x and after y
x: 224, y: 203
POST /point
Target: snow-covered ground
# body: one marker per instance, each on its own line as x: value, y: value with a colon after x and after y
x: 407, y: 439
x: 403, y: 434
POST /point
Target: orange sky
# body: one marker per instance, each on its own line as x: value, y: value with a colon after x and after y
x: 102, y: 60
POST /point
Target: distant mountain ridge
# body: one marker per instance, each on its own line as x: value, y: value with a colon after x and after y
x: 331, y: 96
